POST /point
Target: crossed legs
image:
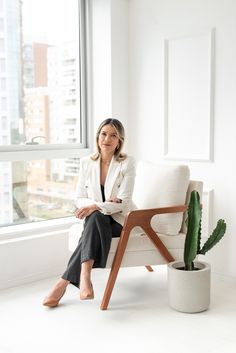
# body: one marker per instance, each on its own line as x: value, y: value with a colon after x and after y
x: 92, y: 251
x: 86, y: 288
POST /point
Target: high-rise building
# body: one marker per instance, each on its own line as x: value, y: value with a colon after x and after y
x: 11, y: 112
x: 11, y: 72
x: 35, y: 64
x: 64, y: 91
x: 64, y: 88
x: 51, y: 109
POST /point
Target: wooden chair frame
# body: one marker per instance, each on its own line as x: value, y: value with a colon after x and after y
x: 141, y: 218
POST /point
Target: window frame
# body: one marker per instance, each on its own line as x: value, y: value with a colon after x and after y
x: 26, y: 152
x: 19, y: 152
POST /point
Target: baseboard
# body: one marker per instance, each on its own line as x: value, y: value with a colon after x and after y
x: 31, y: 259
x: 34, y: 277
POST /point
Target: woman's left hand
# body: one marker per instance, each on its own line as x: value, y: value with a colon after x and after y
x: 86, y: 211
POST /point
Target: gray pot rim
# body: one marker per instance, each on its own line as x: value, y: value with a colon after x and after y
x: 200, y: 265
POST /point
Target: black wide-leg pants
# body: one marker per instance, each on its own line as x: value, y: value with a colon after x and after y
x: 94, y: 244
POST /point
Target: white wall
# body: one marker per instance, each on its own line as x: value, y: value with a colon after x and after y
x: 101, y: 61
x: 33, y: 257
x: 150, y: 23
x: 119, y: 60
x: 110, y: 60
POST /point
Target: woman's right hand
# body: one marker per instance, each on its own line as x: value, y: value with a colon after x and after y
x: 85, y: 211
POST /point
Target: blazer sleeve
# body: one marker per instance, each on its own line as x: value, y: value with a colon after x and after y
x: 81, y: 194
x: 125, y: 190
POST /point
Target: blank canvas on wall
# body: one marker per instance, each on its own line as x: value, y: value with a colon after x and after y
x: 189, y: 81
x: 207, y: 209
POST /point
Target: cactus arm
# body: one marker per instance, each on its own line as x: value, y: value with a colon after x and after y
x: 215, y: 237
x: 192, y: 236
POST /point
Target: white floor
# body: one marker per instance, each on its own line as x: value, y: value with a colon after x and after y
x: 138, y: 319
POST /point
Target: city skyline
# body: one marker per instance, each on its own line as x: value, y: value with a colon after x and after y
x: 48, y: 111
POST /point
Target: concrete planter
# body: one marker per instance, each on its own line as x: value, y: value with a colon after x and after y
x: 189, y: 291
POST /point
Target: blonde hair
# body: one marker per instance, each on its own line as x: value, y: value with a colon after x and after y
x: 117, y: 125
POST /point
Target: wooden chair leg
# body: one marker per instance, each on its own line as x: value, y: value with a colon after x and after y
x: 149, y: 268
x: 109, y: 287
x: 114, y: 269
x: 158, y: 244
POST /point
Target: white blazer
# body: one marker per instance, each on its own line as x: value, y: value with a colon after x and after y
x: 119, y: 183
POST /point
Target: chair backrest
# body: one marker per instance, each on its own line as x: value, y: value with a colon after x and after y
x: 163, y: 185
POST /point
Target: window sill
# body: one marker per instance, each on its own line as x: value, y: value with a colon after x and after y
x: 29, y: 230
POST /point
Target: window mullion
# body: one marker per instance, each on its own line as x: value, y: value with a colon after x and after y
x: 43, y: 154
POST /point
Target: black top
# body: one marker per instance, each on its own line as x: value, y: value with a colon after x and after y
x: 103, y: 192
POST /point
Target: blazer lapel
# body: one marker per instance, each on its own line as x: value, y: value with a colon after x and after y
x: 112, y: 174
x: 95, y: 177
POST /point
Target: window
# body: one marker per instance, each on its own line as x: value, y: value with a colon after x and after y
x: 2, y: 65
x: 1, y: 25
x: 1, y: 45
x: 1, y: 5
x: 39, y: 190
x: 43, y: 116
x: 50, y: 69
x: 4, y: 123
x: 3, y: 104
x: 3, y: 84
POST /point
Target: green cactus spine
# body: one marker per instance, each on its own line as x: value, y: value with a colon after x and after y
x: 193, y: 236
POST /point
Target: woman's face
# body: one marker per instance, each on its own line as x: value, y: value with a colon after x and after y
x: 108, y: 139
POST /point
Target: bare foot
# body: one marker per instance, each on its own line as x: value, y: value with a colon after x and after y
x: 56, y: 294
x: 86, y: 288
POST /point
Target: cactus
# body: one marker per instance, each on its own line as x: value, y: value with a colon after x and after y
x: 193, y: 237
x: 193, y: 231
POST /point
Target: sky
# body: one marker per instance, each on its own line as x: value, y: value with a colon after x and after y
x: 51, y: 20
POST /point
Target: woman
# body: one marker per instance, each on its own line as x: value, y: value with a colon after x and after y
x: 103, y: 197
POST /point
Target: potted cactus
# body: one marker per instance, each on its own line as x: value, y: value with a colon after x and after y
x: 189, y: 281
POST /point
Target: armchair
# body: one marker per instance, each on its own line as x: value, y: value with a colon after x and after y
x: 154, y: 232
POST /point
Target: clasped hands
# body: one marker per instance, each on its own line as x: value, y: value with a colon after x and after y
x: 86, y: 211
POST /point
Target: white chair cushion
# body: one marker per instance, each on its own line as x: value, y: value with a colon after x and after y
x: 140, y: 250
x: 161, y: 185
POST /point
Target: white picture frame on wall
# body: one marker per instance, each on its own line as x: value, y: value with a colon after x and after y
x: 207, y: 210
x: 189, y: 69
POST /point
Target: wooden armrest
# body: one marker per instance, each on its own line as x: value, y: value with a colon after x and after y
x: 142, y: 218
